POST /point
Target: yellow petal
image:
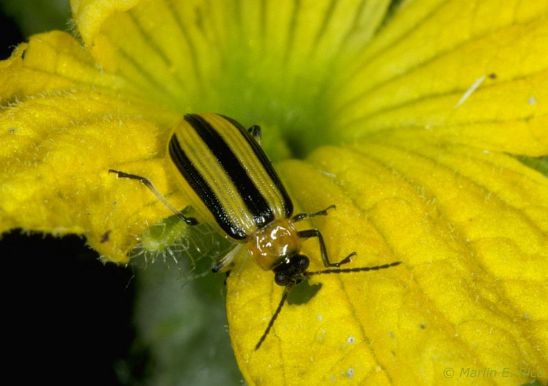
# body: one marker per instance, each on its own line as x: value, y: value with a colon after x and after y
x: 256, y: 60
x: 437, y: 98
x: 55, y: 169
x: 60, y: 135
x: 50, y: 62
x: 152, y: 44
x: 468, y: 73
x: 471, y: 232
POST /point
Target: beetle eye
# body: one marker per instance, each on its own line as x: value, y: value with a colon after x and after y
x: 281, y: 278
x: 303, y: 263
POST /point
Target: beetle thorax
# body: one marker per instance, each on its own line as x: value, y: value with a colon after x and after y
x: 270, y: 245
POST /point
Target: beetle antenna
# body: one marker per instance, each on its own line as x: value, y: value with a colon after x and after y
x: 351, y: 270
x: 274, y: 317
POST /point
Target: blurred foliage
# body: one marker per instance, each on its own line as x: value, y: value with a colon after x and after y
x: 35, y: 16
x: 182, y: 330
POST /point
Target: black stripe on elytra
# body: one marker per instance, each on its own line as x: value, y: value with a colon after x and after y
x: 203, y: 190
x: 248, y: 191
x: 267, y: 165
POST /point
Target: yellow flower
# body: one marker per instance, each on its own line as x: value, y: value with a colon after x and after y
x: 407, y: 115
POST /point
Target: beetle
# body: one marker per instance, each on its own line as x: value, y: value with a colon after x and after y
x: 226, y: 175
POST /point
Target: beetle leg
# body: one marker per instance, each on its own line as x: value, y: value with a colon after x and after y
x: 273, y: 318
x: 225, y: 263
x: 159, y: 196
x: 256, y: 132
x: 302, y: 216
x: 308, y: 233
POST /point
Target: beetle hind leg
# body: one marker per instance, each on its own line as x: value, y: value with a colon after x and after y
x: 156, y: 192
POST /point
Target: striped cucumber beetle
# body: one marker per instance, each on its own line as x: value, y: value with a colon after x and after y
x: 226, y: 175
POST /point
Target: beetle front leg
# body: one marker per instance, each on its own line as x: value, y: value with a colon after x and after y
x: 308, y: 233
